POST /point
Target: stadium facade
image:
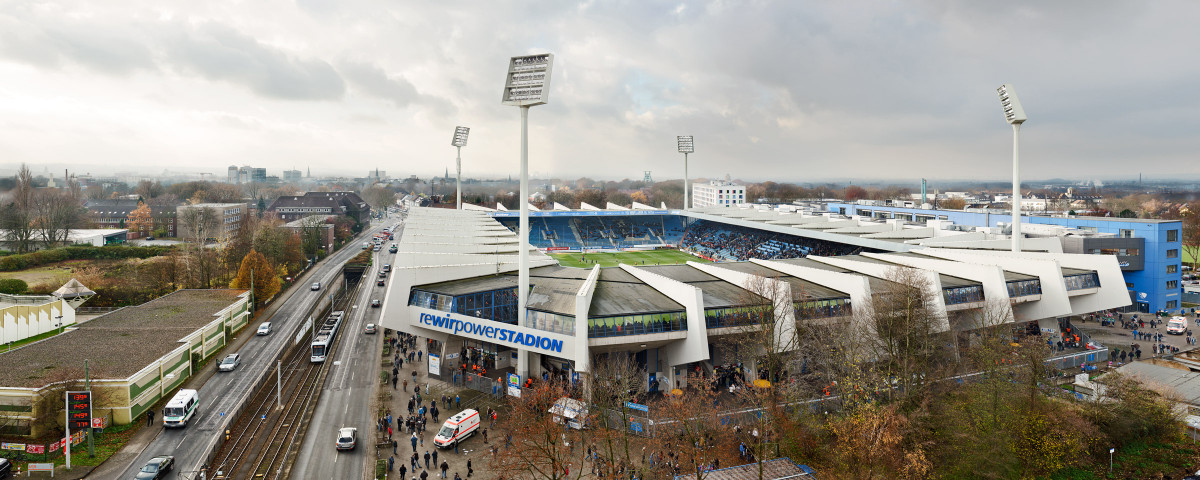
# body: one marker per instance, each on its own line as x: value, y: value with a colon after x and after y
x: 455, y: 283
x: 1149, y: 250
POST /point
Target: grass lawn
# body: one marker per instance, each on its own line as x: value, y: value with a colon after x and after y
x: 650, y: 257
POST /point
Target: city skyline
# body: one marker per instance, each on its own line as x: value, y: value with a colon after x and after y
x: 774, y: 90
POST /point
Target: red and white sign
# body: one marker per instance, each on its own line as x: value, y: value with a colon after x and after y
x: 35, y: 449
x: 552, y: 249
x: 99, y: 422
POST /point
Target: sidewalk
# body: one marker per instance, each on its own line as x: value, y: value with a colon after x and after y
x: 1115, y: 337
x: 473, y: 448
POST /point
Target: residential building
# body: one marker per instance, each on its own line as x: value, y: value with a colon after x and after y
x: 113, y: 214
x: 718, y: 193
x: 228, y: 218
x: 295, y: 207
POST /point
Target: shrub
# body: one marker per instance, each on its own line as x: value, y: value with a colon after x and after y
x: 78, y: 252
x: 13, y: 286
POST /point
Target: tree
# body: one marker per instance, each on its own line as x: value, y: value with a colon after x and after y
x: 952, y: 203
x: 139, y: 220
x: 1190, y: 215
x: 266, y: 283
x: 855, y: 192
x: 540, y: 447
x: 615, y: 380
x: 18, y: 218
x: 903, y: 330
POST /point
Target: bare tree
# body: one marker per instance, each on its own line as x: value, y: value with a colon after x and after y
x: 905, y: 334
x: 57, y: 213
x: 540, y: 448
x: 616, y: 380
x: 18, y: 218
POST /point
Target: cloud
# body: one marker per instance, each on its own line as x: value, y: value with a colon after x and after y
x: 219, y: 52
x: 372, y: 80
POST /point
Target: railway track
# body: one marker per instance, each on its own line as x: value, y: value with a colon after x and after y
x: 263, y: 440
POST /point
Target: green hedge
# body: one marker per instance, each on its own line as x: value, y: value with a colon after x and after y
x: 42, y: 257
x: 13, y: 286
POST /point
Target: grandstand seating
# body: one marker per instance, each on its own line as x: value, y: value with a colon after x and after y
x: 714, y: 240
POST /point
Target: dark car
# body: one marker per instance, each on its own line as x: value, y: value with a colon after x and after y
x: 157, y: 467
x: 375, y: 303
x: 380, y: 282
x: 5, y: 468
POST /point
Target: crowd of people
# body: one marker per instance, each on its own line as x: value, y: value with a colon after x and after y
x: 730, y: 242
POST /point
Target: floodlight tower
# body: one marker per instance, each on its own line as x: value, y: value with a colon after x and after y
x: 685, y: 147
x: 1015, y: 116
x: 459, y: 141
x: 527, y: 84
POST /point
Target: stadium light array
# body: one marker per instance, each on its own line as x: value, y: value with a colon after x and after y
x: 458, y: 141
x: 1015, y: 116
x: 527, y: 84
x: 686, y: 146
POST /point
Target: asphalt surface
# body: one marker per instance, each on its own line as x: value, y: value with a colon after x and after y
x: 221, y: 395
x: 349, y: 389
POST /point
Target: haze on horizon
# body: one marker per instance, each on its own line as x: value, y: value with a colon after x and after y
x: 787, y: 90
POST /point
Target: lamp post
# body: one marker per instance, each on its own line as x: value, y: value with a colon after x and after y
x: 1015, y: 116
x: 685, y: 147
x: 527, y: 84
x: 458, y: 141
x: 58, y: 323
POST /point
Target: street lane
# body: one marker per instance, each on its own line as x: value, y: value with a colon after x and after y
x: 224, y: 392
x: 348, y: 393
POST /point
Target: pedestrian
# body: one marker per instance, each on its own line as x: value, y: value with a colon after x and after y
x: 456, y: 448
x: 149, y: 418
x: 426, y: 388
x: 424, y: 475
x: 435, y: 456
x: 394, y: 379
x: 391, y: 461
x: 413, y: 440
x: 405, y: 385
x: 403, y: 471
x: 427, y: 459
x: 394, y: 444
x: 457, y: 401
x: 469, y: 469
x: 484, y: 438
x: 415, y: 461
x: 445, y: 466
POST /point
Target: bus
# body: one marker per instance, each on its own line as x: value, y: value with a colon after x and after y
x: 181, y: 408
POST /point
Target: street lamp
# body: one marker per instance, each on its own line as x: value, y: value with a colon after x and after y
x: 459, y: 141
x: 58, y: 323
x: 1015, y: 116
x: 685, y: 147
x: 527, y: 84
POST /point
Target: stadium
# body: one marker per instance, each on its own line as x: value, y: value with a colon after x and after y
x: 684, y: 280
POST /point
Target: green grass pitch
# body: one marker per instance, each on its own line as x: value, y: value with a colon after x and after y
x: 650, y: 257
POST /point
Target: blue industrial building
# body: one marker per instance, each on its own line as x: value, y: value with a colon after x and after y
x: 1149, y: 250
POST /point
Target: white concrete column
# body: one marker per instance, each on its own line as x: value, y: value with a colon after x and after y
x: 694, y: 347
x: 778, y: 292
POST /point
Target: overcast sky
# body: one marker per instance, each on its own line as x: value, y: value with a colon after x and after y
x: 786, y: 90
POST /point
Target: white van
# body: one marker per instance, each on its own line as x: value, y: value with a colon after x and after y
x: 457, y: 428
x: 181, y: 408
x: 570, y: 411
x: 1177, y: 325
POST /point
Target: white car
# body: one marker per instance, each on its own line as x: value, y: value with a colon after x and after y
x: 347, y: 438
x: 316, y: 286
x: 264, y: 329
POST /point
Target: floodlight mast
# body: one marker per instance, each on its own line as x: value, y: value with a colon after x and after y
x: 527, y: 84
x: 686, y: 146
x: 459, y: 141
x: 1015, y: 116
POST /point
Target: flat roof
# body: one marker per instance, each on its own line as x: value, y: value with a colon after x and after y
x: 717, y: 293
x: 877, y: 284
x: 948, y: 281
x: 801, y: 289
x: 1009, y: 276
x: 118, y: 344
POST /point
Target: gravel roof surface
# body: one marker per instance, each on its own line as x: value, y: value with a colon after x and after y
x: 118, y: 344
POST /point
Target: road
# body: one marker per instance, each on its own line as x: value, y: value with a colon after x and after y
x: 224, y: 392
x: 349, y: 389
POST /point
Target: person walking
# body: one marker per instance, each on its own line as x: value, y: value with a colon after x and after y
x: 435, y: 456
x: 391, y: 462
x: 149, y: 418
x: 403, y: 471
x: 484, y: 437
x: 445, y: 466
x: 413, y: 441
x: 469, y: 469
x: 427, y: 459
x: 457, y: 401
x: 394, y: 443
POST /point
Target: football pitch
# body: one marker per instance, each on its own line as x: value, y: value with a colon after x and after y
x: 649, y: 257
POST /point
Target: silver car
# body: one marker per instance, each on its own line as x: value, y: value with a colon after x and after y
x: 347, y: 438
x: 230, y: 363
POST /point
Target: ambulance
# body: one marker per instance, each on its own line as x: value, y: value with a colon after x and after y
x: 457, y: 428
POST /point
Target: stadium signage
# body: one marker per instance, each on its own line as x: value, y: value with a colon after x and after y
x: 514, y: 336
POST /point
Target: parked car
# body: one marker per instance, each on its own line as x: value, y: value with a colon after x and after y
x: 5, y: 468
x: 157, y: 467
x: 230, y: 363
x: 375, y: 303
x: 316, y: 286
x: 347, y: 438
x: 264, y: 329
x: 370, y: 329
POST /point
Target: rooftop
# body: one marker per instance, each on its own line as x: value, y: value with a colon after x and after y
x: 118, y: 344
